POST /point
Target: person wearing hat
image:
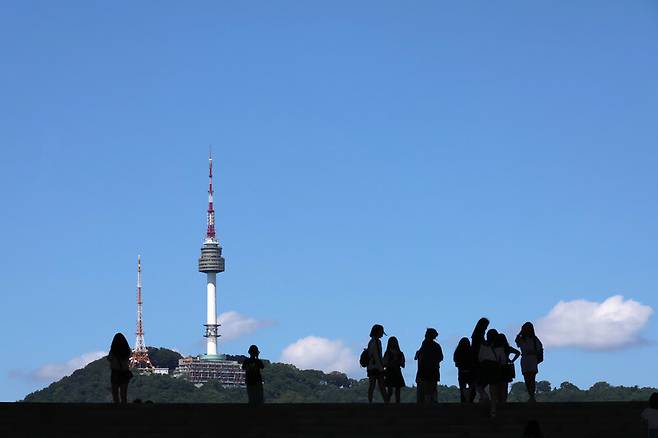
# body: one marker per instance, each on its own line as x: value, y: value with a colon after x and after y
x: 252, y: 378
x: 429, y: 358
x: 375, y: 366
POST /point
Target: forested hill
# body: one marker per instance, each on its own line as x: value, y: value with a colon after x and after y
x: 283, y: 384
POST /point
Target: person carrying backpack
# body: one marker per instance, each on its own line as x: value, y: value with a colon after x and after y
x: 532, y: 354
x: 375, y: 363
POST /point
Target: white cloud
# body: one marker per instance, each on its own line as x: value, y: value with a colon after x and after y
x: 613, y: 323
x: 235, y: 325
x: 54, y: 371
x: 317, y: 353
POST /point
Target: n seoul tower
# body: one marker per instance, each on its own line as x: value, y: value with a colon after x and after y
x: 211, y: 262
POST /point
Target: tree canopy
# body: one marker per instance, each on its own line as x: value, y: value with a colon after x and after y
x: 284, y: 383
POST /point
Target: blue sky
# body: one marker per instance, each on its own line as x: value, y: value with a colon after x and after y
x: 409, y: 164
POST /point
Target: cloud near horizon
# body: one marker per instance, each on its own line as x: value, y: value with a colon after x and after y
x: 611, y: 324
x: 313, y: 352
x: 52, y: 372
x: 235, y: 325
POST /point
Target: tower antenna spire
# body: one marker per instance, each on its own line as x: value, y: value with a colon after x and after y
x: 140, y: 355
x: 210, y: 232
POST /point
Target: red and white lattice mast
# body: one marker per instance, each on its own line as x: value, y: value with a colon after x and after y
x: 140, y: 355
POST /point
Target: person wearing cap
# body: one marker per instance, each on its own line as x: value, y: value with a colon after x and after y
x: 375, y: 366
x: 429, y: 358
x: 253, y: 378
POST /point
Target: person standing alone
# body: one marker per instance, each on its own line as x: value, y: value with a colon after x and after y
x: 429, y: 358
x: 253, y: 378
x: 119, y: 358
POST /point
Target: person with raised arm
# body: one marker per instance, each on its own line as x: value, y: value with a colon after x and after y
x: 252, y: 376
x: 507, y: 373
x: 532, y: 354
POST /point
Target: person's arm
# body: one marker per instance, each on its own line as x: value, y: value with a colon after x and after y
x: 387, y: 358
x: 402, y: 362
x: 261, y: 364
x: 440, y: 353
x: 514, y: 351
x: 379, y: 354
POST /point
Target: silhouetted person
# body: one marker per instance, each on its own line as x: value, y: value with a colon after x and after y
x: 119, y: 358
x: 463, y: 358
x: 393, y: 364
x: 375, y: 366
x: 252, y: 376
x: 503, y: 350
x: 650, y: 415
x: 429, y: 358
x: 532, y: 430
x: 532, y: 354
x: 477, y: 339
x: 489, y: 364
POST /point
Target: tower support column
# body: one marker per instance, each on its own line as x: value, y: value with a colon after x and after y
x: 211, y: 319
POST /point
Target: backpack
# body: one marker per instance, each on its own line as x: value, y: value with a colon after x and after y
x: 540, y: 353
x: 364, y: 358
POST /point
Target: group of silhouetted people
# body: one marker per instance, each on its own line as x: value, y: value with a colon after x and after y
x: 485, y: 364
x: 385, y: 368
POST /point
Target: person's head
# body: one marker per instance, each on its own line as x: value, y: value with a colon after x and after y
x: 653, y: 401
x: 377, y: 331
x: 253, y: 351
x: 528, y: 330
x: 464, y: 346
x: 393, y: 344
x: 532, y: 430
x: 431, y: 334
x: 501, y: 341
x: 481, y: 326
x: 120, y: 347
x: 492, y: 334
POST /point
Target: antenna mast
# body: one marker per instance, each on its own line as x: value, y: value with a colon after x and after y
x: 140, y: 355
x: 210, y: 233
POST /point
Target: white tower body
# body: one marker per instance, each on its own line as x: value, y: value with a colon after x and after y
x: 211, y: 341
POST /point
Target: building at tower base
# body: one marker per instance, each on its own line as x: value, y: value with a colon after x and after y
x: 202, y: 369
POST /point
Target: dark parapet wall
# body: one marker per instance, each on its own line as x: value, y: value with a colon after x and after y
x: 563, y: 420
